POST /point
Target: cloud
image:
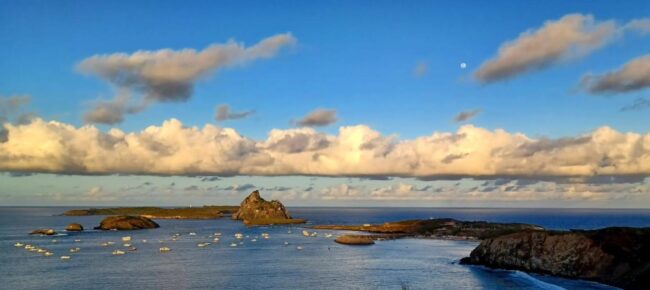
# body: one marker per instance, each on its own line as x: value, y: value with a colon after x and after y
x: 571, y: 36
x: 421, y: 69
x: 466, y: 115
x: 10, y: 109
x: 633, y: 76
x: 318, y: 118
x: 224, y: 113
x: 166, y: 75
x: 642, y: 26
x: 171, y: 149
x: 638, y: 104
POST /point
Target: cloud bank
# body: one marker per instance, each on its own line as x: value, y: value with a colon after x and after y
x: 166, y: 75
x: 173, y: 149
x: 633, y: 76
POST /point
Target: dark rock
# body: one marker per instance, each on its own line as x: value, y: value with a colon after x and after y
x: 254, y: 210
x: 615, y: 256
x: 74, y: 227
x: 122, y: 223
x: 46, y: 232
x: 358, y: 240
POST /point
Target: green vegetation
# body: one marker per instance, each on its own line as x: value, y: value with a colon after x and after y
x: 205, y: 212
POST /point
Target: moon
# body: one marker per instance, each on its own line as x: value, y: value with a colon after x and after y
x: 463, y: 65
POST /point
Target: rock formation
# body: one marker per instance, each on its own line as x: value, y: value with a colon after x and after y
x: 355, y: 240
x: 615, y: 256
x: 46, y: 232
x: 122, y: 223
x: 74, y: 227
x: 254, y: 210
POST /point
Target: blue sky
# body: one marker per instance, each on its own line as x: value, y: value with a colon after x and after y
x: 354, y: 57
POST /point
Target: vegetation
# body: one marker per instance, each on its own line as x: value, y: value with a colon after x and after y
x: 273, y: 221
x: 205, y: 212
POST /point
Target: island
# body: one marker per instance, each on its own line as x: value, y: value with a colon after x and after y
x: 204, y: 212
x: 444, y: 228
x: 616, y: 256
x: 126, y: 223
x: 254, y: 210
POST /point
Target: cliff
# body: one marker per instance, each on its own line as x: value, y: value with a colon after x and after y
x: 124, y: 223
x: 615, y: 256
x: 254, y: 210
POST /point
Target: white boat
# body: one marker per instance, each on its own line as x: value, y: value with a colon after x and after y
x: 305, y: 233
x: 286, y: 243
x: 216, y: 239
x: 104, y: 244
x: 118, y: 252
x: 314, y: 234
x: 41, y: 250
x: 126, y: 239
x: 144, y: 241
x: 217, y: 234
x: 328, y: 235
x: 164, y: 249
x: 47, y: 254
x: 192, y: 234
x: 65, y: 257
x: 77, y: 241
x: 54, y: 241
x: 233, y: 244
x: 201, y: 245
x: 239, y: 236
x: 254, y: 240
x: 126, y: 245
x: 299, y: 248
x: 75, y: 250
x: 110, y: 243
x: 19, y: 244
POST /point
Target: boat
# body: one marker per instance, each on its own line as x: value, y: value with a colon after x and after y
x: 201, y: 245
x: 239, y: 236
x: 118, y: 252
x: 144, y: 241
x: 75, y: 250
x: 314, y: 234
x: 54, y: 241
x: 216, y: 239
x: 65, y: 257
x: 164, y: 249
x: 47, y: 254
x: 110, y: 243
x: 233, y: 244
x: 18, y: 244
x: 286, y: 243
x: 299, y: 248
x: 104, y: 244
x: 126, y: 239
x: 41, y: 250
x: 305, y: 233
x: 328, y: 235
x: 131, y: 249
x: 126, y: 245
x: 77, y: 241
x: 192, y: 234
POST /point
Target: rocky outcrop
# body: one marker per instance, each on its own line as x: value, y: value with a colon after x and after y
x: 45, y: 232
x: 437, y: 228
x: 74, y: 227
x: 204, y: 212
x: 615, y: 256
x: 124, y: 223
x: 254, y: 210
x: 357, y: 240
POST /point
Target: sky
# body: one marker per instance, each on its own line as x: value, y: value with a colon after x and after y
x: 330, y: 103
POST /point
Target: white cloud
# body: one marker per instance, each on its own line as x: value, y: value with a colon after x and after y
x: 633, y: 76
x: 166, y: 75
x: 571, y: 36
x: 173, y: 149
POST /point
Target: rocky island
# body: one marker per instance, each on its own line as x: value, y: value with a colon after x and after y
x: 125, y: 223
x: 255, y: 210
x: 204, y: 212
x: 435, y: 228
x: 616, y: 256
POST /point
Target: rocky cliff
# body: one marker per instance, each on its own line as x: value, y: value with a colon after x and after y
x: 254, y: 210
x: 615, y: 256
x: 123, y: 223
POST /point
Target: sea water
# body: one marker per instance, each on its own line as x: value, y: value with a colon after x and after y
x: 305, y: 263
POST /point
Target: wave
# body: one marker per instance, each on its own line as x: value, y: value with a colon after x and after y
x: 538, y: 283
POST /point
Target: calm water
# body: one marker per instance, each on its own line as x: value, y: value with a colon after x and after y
x: 269, y: 264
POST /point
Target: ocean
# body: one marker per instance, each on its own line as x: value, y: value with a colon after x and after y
x: 305, y: 263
